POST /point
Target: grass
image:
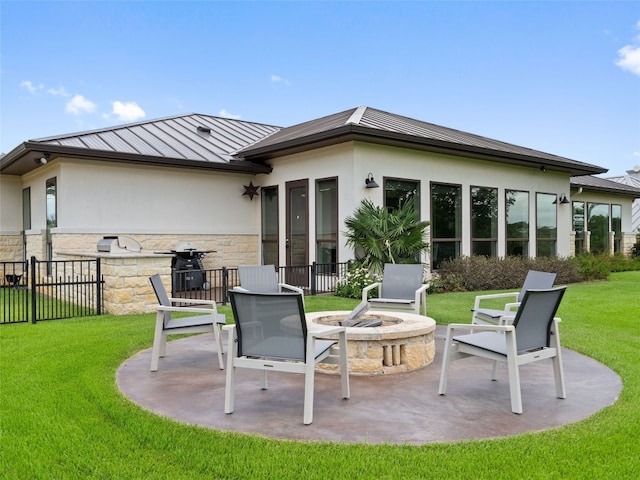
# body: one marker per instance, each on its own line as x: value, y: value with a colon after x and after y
x: 62, y: 416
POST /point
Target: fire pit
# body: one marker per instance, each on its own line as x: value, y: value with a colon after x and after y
x: 402, y: 343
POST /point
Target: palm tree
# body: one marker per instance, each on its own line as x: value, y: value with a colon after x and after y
x: 378, y: 236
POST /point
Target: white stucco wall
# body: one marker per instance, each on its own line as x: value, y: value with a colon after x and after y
x: 10, y: 205
x: 351, y: 162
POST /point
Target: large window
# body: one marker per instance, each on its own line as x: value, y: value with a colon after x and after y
x: 26, y: 209
x: 397, y: 192
x: 616, y: 227
x: 517, y: 215
x: 326, y: 224
x: 546, y: 224
x: 446, y: 222
x: 598, y: 225
x: 578, y: 226
x: 484, y: 221
x: 52, y: 217
x: 270, y: 226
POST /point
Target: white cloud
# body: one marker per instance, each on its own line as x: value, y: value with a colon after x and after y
x: 127, y: 112
x: 79, y: 105
x: 279, y: 79
x: 31, y: 87
x: 629, y: 56
x: 225, y: 114
x: 60, y: 92
x: 636, y: 154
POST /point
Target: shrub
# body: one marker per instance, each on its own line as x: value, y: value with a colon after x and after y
x: 505, y: 273
x: 354, y: 281
x: 592, y: 267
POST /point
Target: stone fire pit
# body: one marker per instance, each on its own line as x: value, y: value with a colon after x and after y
x: 404, y: 342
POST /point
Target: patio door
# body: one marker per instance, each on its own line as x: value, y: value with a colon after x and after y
x: 297, y: 231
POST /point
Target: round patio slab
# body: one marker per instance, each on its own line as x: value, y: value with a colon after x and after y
x: 403, y: 408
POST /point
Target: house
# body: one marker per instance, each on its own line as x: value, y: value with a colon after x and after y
x: 255, y: 193
x: 632, y: 178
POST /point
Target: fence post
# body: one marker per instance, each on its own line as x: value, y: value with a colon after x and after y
x: 225, y: 284
x: 314, y: 270
x: 33, y: 290
x: 98, y: 287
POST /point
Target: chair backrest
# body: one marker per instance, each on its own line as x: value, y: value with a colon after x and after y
x: 537, y: 281
x: 401, y: 280
x: 258, y: 278
x: 535, y: 317
x: 161, y: 295
x: 270, y: 325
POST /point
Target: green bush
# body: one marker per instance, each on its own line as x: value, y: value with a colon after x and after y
x: 504, y: 273
x: 355, y: 280
x: 592, y: 267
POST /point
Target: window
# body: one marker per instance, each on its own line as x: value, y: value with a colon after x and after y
x: 397, y: 192
x: 52, y: 217
x: 598, y: 225
x: 326, y: 224
x: 26, y: 209
x: 270, y: 226
x: 546, y: 224
x: 517, y: 216
x: 484, y: 221
x: 578, y: 226
x: 616, y: 227
x: 446, y: 223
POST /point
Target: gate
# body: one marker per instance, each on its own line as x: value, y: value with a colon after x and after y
x: 51, y: 290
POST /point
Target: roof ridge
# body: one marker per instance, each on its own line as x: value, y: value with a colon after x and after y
x: 357, y: 115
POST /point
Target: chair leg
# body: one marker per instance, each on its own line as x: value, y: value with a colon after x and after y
x: 558, y: 372
x: 309, y: 377
x: 344, y: 364
x: 159, y: 342
x: 494, y: 371
x: 514, y: 374
x: 218, y: 337
x: 446, y: 361
x: 264, y: 384
x: 230, y: 384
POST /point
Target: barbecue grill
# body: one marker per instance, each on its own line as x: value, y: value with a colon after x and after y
x: 188, y: 271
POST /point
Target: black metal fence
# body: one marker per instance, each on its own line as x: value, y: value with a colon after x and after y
x: 214, y: 284
x: 50, y: 290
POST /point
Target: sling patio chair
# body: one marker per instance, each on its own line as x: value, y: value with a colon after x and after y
x: 493, y: 316
x: 401, y: 289
x: 270, y: 334
x: 532, y: 336
x: 263, y: 279
x: 209, y: 320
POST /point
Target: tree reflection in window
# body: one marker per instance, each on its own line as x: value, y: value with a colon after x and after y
x: 517, y: 216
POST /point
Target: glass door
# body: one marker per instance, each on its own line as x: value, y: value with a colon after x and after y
x: 297, y: 241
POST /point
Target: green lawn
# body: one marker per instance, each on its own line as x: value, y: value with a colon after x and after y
x: 62, y: 416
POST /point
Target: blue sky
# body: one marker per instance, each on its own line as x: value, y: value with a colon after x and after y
x: 561, y: 77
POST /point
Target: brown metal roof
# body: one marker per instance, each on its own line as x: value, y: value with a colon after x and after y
x: 176, y: 140
x: 602, y: 185
x: 372, y: 125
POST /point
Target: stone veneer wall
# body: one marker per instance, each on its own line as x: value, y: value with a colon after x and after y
x: 10, y: 248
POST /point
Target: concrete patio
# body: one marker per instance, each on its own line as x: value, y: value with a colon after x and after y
x: 402, y: 408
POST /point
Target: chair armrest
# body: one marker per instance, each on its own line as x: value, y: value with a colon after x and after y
x: 208, y: 311
x: 290, y: 287
x: 479, y: 328
x: 320, y: 332
x: 230, y: 327
x: 192, y: 301
x: 365, y: 290
x: 479, y: 298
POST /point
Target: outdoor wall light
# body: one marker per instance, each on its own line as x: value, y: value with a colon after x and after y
x: 563, y: 199
x: 370, y: 182
x: 42, y: 160
x: 543, y: 168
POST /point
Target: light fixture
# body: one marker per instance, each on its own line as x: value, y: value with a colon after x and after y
x: 543, y: 168
x: 563, y: 199
x: 42, y: 160
x: 370, y: 182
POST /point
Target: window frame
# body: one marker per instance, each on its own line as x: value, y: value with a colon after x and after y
x: 493, y: 239
x: 526, y: 241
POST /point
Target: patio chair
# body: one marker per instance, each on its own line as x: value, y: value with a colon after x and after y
x: 533, y: 280
x: 533, y: 336
x: 263, y: 279
x: 270, y: 334
x: 401, y: 289
x: 211, y: 321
